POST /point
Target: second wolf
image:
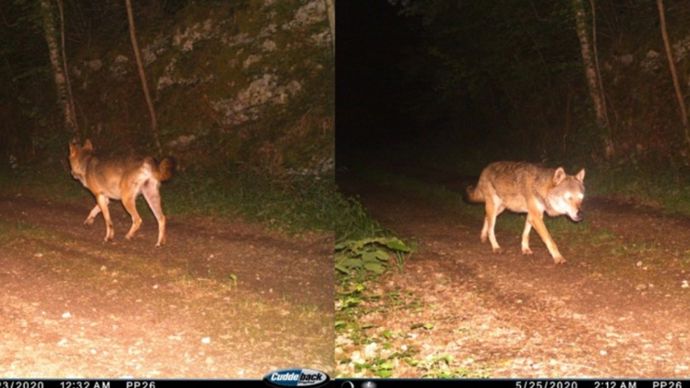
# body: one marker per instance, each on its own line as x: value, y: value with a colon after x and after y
x: 528, y: 188
x: 124, y: 179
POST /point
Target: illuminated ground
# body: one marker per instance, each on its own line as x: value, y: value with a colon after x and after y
x: 223, y: 299
x: 618, y: 307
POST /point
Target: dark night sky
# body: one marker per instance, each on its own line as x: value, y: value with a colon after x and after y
x: 378, y: 98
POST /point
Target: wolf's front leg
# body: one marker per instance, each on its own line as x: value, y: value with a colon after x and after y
x: 537, y: 222
x: 103, y: 204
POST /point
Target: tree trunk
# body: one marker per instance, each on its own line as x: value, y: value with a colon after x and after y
x: 595, y: 53
x: 58, y: 70
x: 330, y: 9
x: 592, y: 75
x: 71, y: 112
x: 682, y: 110
x: 142, y: 75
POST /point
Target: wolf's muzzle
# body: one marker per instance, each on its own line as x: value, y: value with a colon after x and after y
x: 579, y: 216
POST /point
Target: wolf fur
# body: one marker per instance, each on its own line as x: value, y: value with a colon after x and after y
x: 121, y: 179
x: 528, y: 188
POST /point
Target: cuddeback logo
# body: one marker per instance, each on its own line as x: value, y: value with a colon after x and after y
x: 296, y: 378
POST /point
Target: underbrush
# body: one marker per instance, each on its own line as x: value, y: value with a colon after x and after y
x: 662, y: 187
x: 294, y: 205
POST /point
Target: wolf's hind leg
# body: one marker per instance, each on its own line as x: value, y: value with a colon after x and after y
x: 92, y: 215
x: 153, y: 198
x: 493, y: 209
x: 525, y: 238
x: 130, y: 204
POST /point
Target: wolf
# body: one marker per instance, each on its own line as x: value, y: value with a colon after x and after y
x: 528, y: 188
x: 122, y: 179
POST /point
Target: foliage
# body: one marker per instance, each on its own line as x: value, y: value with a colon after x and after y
x: 369, y: 254
x: 651, y: 185
x: 363, y: 251
x: 197, y: 58
x: 508, y: 74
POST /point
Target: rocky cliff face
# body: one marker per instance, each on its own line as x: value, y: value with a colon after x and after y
x: 250, y: 84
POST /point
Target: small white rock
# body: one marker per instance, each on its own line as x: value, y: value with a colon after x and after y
x: 370, y: 350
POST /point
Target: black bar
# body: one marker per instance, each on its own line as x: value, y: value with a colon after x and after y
x: 514, y: 383
x: 353, y: 383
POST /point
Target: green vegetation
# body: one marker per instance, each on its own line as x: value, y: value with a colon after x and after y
x: 661, y: 187
x: 364, y: 250
x: 369, y: 254
x: 296, y: 205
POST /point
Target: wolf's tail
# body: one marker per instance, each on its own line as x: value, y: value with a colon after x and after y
x: 474, y: 195
x: 165, y: 169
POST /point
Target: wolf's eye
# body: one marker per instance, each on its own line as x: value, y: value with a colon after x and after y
x: 568, y: 196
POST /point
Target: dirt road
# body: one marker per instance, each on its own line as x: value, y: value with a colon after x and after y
x: 619, y: 307
x: 223, y: 298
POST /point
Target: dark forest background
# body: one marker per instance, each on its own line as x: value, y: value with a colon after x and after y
x: 246, y: 81
x: 243, y: 92
x: 452, y: 83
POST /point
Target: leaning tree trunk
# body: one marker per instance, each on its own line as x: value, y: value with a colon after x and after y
x: 591, y: 74
x: 58, y: 70
x: 682, y: 110
x: 142, y: 75
x: 330, y: 9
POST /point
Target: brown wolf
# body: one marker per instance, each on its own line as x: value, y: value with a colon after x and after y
x: 123, y: 179
x: 528, y: 188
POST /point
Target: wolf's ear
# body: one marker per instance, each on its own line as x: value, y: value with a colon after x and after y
x: 73, y: 147
x: 580, y: 175
x: 87, y: 145
x: 559, y: 175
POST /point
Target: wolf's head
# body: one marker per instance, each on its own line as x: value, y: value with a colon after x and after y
x: 77, y: 158
x: 566, y: 195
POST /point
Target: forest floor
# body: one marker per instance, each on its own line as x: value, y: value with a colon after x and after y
x: 224, y: 298
x: 619, y: 306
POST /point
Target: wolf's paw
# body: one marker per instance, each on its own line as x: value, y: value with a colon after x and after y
x: 497, y: 250
x: 89, y: 221
x: 526, y: 251
x: 559, y: 260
